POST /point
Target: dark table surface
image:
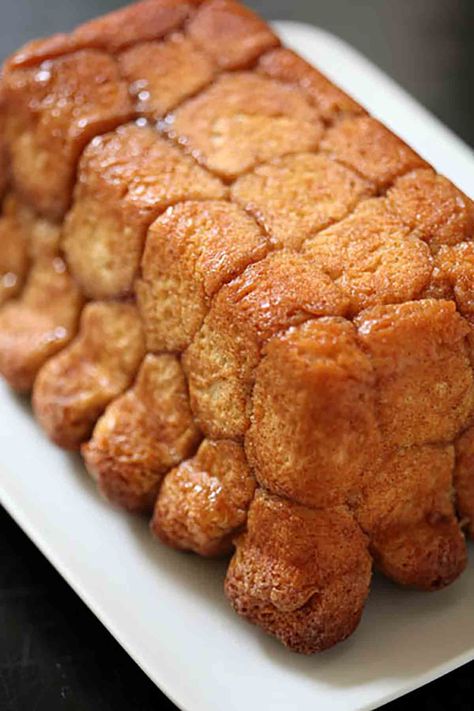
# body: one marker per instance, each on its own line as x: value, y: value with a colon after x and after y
x: 54, y: 654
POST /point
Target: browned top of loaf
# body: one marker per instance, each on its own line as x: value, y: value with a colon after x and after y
x: 232, y: 34
x: 146, y: 20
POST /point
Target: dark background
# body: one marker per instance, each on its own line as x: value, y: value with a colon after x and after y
x: 54, y: 654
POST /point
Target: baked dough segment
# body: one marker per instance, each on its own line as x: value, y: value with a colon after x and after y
x: 453, y: 276
x: 301, y: 574
x: 73, y: 388
x: 138, y: 22
x: 313, y: 426
x: 203, y: 502
x: 14, y: 259
x: 282, y: 290
x: 163, y: 73
x: 142, y: 434
x: 126, y: 179
x: 330, y: 101
x: 43, y: 317
x: 407, y: 510
x: 244, y: 119
x: 365, y: 145
x: 424, y: 399
x: 464, y: 479
x: 191, y: 251
x: 372, y: 256
x: 39, y: 323
x: 296, y: 196
x: 419, y: 352
x: 53, y: 111
x: 433, y: 207
x: 230, y: 33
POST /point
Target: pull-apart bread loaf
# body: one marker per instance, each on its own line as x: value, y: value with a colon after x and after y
x: 248, y: 304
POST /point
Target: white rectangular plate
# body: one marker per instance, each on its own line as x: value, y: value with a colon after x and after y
x: 168, y: 609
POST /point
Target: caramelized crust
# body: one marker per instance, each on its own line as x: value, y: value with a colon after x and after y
x: 39, y: 323
x: 464, y: 480
x: 139, y: 22
x: 296, y: 196
x: 191, y: 251
x: 126, y: 179
x: 163, y: 74
x: 433, y: 207
x: 282, y: 290
x: 372, y: 150
x: 52, y: 113
x: 13, y: 250
x: 204, y: 501
x: 453, y: 276
x: 242, y: 120
x: 372, y: 257
x: 230, y: 33
x: 73, y: 388
x: 314, y: 428
x: 408, y: 513
x: 302, y: 575
x: 425, y: 384
x: 142, y: 434
x: 284, y: 65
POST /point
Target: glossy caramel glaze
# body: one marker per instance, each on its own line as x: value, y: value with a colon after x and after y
x: 204, y: 501
x: 142, y: 434
x: 74, y: 388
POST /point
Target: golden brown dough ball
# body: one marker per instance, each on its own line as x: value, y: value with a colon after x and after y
x: 74, y: 388
x: 204, y: 501
x: 296, y: 196
x: 372, y: 257
x: 407, y: 511
x: 230, y: 33
x: 303, y: 575
x: 372, y: 150
x: 162, y: 74
x: 191, y: 251
x: 53, y: 111
x: 244, y: 119
x: 138, y: 22
x: 453, y: 276
x: 282, y: 290
x: 313, y: 424
x: 126, y: 179
x: 428, y: 203
x: 39, y: 323
x: 425, y: 385
x: 286, y: 66
x: 142, y: 434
